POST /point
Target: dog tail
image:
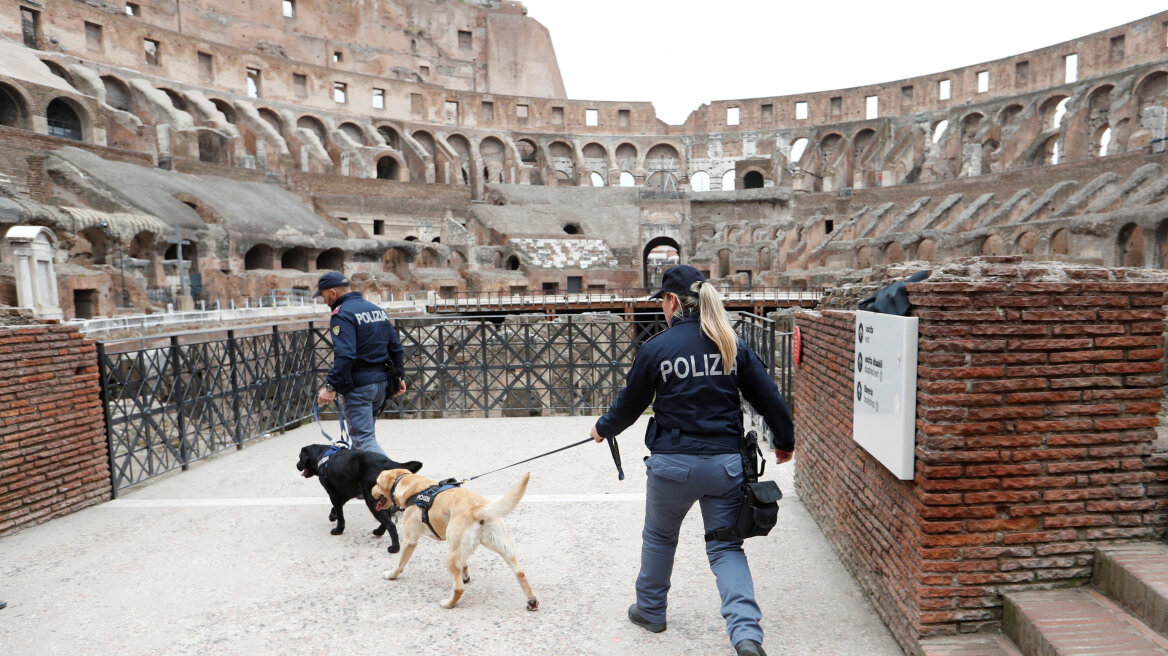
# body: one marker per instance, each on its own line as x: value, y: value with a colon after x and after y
x: 505, y: 504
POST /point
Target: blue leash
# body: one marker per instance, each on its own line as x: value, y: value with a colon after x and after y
x: 344, y: 442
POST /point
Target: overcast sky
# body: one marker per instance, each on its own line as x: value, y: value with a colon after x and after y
x: 679, y: 54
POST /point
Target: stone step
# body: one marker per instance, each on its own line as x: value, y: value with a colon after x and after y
x: 1136, y: 576
x: 975, y: 644
x: 1078, y: 622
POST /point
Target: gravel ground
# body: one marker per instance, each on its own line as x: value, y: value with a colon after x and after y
x: 235, y: 557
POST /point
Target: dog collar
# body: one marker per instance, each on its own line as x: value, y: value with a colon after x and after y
x: 392, y: 497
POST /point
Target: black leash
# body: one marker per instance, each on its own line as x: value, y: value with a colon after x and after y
x: 611, y: 446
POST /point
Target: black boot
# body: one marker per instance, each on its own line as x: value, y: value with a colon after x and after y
x: 749, y: 648
x: 635, y: 618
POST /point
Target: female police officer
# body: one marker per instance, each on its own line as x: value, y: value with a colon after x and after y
x: 693, y: 372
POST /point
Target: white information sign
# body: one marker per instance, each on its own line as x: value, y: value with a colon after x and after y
x: 885, y: 389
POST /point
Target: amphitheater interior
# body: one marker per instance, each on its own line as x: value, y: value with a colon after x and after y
x: 429, y: 146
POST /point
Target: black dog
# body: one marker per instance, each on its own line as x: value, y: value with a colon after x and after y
x: 347, y: 474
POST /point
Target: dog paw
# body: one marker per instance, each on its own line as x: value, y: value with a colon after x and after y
x: 391, y: 574
x: 532, y: 604
x: 393, y: 548
x: 337, y: 531
x: 379, y: 531
x: 447, y: 603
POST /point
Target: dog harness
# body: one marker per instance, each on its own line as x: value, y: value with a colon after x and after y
x: 424, y: 499
x: 322, y: 464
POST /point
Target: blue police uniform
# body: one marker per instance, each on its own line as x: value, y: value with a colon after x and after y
x: 694, y: 442
x: 363, y: 341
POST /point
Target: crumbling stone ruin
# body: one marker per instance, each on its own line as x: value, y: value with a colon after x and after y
x: 429, y: 145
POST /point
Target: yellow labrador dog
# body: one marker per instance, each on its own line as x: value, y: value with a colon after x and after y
x: 459, y: 517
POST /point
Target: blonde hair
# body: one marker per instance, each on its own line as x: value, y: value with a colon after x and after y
x: 714, y: 320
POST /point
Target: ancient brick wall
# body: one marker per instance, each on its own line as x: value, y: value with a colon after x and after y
x: 53, y: 455
x: 1038, y: 395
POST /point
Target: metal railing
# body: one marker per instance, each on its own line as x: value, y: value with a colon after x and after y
x: 606, y: 297
x: 172, y: 402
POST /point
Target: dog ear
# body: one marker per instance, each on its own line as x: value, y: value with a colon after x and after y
x: 413, y: 466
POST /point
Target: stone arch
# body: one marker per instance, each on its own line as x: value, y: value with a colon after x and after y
x: 862, y: 141
x: 991, y: 245
x: 1008, y: 115
x: 314, y: 125
x: 1131, y: 246
x: 461, y: 147
x: 353, y: 131
x: 626, y: 157
x: 67, y: 119
x: 663, y: 157
x: 752, y: 180
x: 651, y: 273
x: 59, y: 71
x: 332, y: 259
x: 939, y: 130
x: 596, y: 160
x: 1051, y: 111
x: 798, y: 149
x: 1026, y: 243
x: 728, y: 180
x: 396, y: 261
x: 1060, y: 242
x: 927, y: 250
x: 117, y: 93
x: 295, y: 258
x: 1150, y: 91
x: 259, y: 256
x: 764, y: 259
x: 1051, y: 150
x: 456, y: 261
x: 1101, y: 142
x: 627, y: 179
x: 390, y: 136
x: 513, y: 262
x: 893, y: 253
x: 428, y: 258
x: 699, y: 181
x: 864, y: 257
x: 970, y: 125
x: 724, y: 263
x: 272, y: 118
x: 13, y: 108
x: 100, y: 246
x: 388, y: 168
x: 176, y: 99
x: 662, y: 181
x: 494, y: 156
x: 212, y: 147
x: 528, y: 151
x: 563, y: 162
x: 426, y: 140
x: 226, y: 109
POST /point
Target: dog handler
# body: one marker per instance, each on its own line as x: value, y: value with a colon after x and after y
x: 693, y: 372
x: 364, y: 340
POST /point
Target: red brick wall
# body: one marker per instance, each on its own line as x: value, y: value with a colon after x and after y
x: 1038, y: 395
x: 53, y: 456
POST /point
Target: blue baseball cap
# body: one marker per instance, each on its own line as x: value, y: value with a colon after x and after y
x: 679, y: 280
x: 330, y: 280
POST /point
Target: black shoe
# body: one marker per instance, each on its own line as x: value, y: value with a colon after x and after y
x: 749, y: 648
x: 635, y: 618
x: 3, y: 605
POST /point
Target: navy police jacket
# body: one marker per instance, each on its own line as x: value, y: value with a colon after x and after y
x: 695, y: 395
x: 363, y: 339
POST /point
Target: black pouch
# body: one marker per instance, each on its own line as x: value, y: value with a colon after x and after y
x: 759, y: 510
x: 393, y: 383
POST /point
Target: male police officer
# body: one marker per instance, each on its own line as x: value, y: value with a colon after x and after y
x: 364, y: 342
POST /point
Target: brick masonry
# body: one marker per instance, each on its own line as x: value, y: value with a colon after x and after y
x: 53, y: 454
x: 1038, y: 395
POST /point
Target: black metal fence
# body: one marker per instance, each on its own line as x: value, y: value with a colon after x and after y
x: 170, y: 403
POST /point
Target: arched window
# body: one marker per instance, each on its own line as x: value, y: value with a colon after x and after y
x: 728, y: 181
x: 699, y: 181
x: 627, y: 179
x: 597, y: 181
x: 752, y: 180
x: 797, y: 150
x: 939, y: 130
x: 63, y: 120
x: 388, y: 168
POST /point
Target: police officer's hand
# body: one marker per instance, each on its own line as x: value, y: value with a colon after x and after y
x: 325, y: 397
x: 401, y: 389
x: 596, y: 436
x: 783, y: 456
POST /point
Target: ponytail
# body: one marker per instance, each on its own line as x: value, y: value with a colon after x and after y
x: 715, y: 323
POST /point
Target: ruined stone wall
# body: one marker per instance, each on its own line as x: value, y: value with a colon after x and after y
x: 53, y: 454
x: 1038, y: 389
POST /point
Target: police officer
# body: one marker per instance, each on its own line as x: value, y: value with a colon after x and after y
x: 693, y: 372
x: 364, y: 341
